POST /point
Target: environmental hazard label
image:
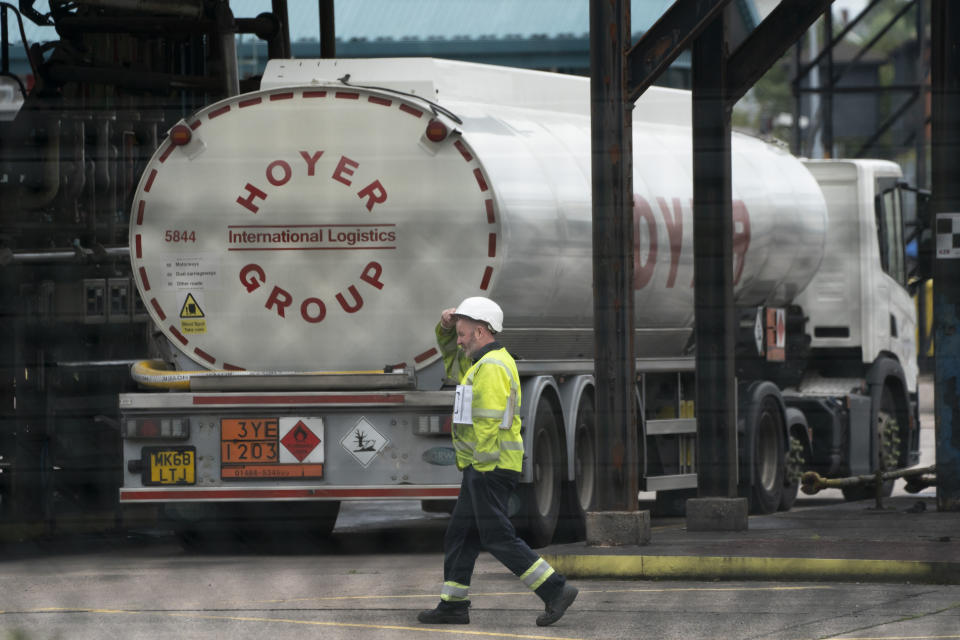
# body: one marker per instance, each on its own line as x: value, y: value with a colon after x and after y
x: 364, y: 442
x: 301, y: 440
x: 192, y: 319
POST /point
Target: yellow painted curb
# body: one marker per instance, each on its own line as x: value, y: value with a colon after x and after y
x: 734, y: 568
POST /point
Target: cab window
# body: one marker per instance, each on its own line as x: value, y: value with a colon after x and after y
x: 889, y: 211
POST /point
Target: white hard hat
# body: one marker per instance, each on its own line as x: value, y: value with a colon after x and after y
x: 482, y: 310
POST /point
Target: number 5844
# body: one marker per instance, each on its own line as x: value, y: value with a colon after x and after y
x: 180, y: 236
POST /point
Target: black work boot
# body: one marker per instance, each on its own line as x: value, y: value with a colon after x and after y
x: 558, y: 606
x: 446, y: 613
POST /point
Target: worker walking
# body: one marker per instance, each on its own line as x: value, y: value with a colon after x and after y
x: 486, y: 437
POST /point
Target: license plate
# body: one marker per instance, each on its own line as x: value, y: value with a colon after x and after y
x: 169, y: 465
x: 271, y: 448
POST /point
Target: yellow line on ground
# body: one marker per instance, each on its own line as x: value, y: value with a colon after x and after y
x: 358, y: 625
x: 489, y: 594
x: 315, y: 623
x: 953, y: 637
x: 675, y: 567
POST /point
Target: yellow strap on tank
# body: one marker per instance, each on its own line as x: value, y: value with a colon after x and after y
x: 158, y: 374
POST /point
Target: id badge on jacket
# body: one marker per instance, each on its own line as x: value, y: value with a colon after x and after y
x: 463, y: 404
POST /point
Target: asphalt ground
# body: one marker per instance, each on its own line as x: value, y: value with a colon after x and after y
x: 821, y: 538
x: 907, y: 540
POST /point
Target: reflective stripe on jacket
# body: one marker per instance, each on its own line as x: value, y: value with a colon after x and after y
x: 493, y: 440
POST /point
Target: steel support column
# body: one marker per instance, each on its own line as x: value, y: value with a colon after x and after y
x: 279, y: 9
x: 328, y: 31
x: 713, y: 267
x: 945, y: 179
x: 612, y: 155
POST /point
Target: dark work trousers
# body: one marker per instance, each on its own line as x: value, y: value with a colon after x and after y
x: 479, y: 521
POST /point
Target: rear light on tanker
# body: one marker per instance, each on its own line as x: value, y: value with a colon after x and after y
x: 433, y: 425
x: 157, y: 428
x: 436, y: 131
x: 180, y: 135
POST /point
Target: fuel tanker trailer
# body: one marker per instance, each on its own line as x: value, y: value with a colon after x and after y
x: 294, y: 247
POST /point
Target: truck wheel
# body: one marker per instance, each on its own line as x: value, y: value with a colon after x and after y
x: 585, y: 456
x: 323, y: 518
x: 888, y: 433
x: 580, y: 495
x: 765, y: 434
x: 792, y: 471
x: 540, y: 500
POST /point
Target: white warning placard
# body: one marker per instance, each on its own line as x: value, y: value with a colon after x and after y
x: 364, y: 442
x: 948, y: 235
x: 191, y: 272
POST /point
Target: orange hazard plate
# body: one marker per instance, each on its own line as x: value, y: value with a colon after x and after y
x: 251, y: 448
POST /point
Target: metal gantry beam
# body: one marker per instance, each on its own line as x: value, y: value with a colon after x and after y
x: 665, y: 40
x: 823, y: 59
x: 612, y: 185
x: 768, y: 42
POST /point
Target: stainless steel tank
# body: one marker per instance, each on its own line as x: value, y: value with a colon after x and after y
x: 324, y: 226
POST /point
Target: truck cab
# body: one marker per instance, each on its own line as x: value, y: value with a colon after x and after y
x: 861, y: 324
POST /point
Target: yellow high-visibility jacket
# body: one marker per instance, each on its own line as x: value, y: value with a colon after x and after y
x: 492, y: 440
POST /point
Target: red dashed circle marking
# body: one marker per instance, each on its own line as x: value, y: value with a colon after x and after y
x: 178, y: 335
x: 416, y: 113
x: 463, y: 150
x: 153, y: 176
x: 167, y: 152
x: 487, y: 274
x: 144, y: 280
x: 480, y: 179
x: 139, y: 246
x: 216, y: 113
x: 425, y: 355
x: 158, y: 309
x: 345, y: 95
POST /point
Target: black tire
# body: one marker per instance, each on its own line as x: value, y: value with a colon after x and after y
x: 792, y: 469
x: 580, y: 495
x: 585, y: 456
x: 765, y: 456
x: 323, y: 518
x: 888, y: 450
x: 540, y: 500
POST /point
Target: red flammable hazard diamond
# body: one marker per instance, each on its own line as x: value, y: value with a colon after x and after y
x: 300, y: 441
